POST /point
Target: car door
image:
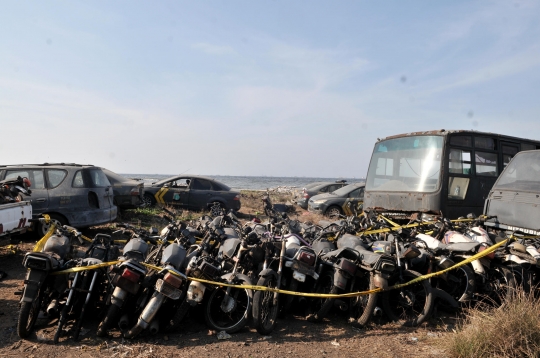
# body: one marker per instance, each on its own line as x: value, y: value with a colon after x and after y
x: 39, y: 197
x: 175, y: 192
x: 356, y: 199
x: 200, y: 193
x: 101, y: 186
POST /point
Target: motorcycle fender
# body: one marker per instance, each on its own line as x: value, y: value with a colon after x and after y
x: 514, y: 259
x: 268, y: 272
x: 340, y: 281
x: 380, y: 281
x: 239, y: 276
x: 33, y: 282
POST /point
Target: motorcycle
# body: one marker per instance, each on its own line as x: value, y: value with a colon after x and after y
x: 42, y: 290
x: 12, y: 190
x: 87, y: 285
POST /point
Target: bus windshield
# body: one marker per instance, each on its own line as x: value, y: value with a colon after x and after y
x: 411, y: 164
x: 523, y: 173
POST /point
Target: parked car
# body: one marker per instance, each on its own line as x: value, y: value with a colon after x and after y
x: 191, y: 192
x: 332, y: 204
x: 128, y: 193
x: 71, y: 194
x: 302, y: 196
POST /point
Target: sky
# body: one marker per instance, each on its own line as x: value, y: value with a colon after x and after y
x: 260, y: 88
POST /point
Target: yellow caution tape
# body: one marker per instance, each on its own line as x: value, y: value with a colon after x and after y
x: 85, y: 268
x: 407, y: 226
x: 477, y: 256
x: 41, y: 243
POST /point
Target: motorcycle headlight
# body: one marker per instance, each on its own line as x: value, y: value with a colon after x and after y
x: 195, y: 292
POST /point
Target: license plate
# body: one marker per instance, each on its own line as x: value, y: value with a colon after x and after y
x: 299, y: 276
x: 167, y: 290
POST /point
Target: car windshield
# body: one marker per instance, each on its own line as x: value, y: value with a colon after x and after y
x: 410, y: 164
x: 113, y: 177
x: 344, y: 191
x: 523, y: 173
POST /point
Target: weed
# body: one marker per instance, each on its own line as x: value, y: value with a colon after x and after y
x: 512, y: 330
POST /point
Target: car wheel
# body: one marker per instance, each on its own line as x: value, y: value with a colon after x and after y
x: 216, y: 208
x: 43, y: 228
x: 148, y: 201
x: 333, y: 212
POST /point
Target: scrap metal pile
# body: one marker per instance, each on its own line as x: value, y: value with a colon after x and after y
x: 247, y: 274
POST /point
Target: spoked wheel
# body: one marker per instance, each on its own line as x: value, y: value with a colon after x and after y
x: 265, y: 310
x: 499, y: 286
x: 228, y: 313
x: 43, y: 228
x: 410, y: 305
x: 333, y: 212
x: 460, y: 284
x: 27, y: 317
x: 361, y: 307
x: 321, y: 306
x: 148, y: 201
x: 216, y: 209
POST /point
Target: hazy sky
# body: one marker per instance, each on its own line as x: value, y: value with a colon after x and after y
x: 277, y: 88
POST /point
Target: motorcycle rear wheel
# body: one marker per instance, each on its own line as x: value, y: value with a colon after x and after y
x: 321, y: 306
x: 265, y: 312
x: 361, y: 308
x: 411, y: 305
x: 235, y: 319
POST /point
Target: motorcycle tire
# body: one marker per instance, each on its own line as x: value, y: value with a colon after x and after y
x: 460, y: 284
x: 234, y: 320
x: 500, y: 286
x: 522, y: 277
x: 110, y: 318
x: 361, y: 308
x: 321, y: 306
x: 445, y: 301
x: 411, y: 305
x: 178, y: 317
x: 27, y: 317
x: 264, y: 311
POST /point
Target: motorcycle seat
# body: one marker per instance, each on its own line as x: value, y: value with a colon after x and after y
x: 368, y: 257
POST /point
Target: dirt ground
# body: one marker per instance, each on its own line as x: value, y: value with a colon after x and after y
x: 294, y: 336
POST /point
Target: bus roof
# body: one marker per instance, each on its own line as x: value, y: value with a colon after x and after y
x: 444, y: 132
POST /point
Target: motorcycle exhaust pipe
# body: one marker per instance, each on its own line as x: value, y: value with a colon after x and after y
x: 147, y: 315
x: 52, y: 309
x: 123, y: 324
x: 377, y: 312
x: 154, y: 327
x: 341, y: 305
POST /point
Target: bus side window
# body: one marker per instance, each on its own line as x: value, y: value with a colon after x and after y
x: 486, y: 164
x: 457, y: 188
x: 459, y: 161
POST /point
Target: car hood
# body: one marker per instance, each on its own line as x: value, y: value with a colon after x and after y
x: 324, y: 196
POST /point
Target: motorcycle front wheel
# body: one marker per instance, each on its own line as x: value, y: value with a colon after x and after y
x: 410, y: 305
x: 228, y: 313
x: 321, y: 306
x: 27, y: 317
x: 265, y: 312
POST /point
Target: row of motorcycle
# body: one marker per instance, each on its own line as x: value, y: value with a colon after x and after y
x: 157, y: 278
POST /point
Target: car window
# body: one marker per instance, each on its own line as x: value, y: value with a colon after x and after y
x: 201, y: 184
x: 179, y: 183
x: 358, y: 193
x: 344, y: 191
x: 323, y: 189
x: 55, y: 177
x: 98, y: 178
x: 334, y: 187
x: 78, y: 181
x: 34, y: 175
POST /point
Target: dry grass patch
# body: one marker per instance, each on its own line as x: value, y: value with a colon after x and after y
x: 513, y: 330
